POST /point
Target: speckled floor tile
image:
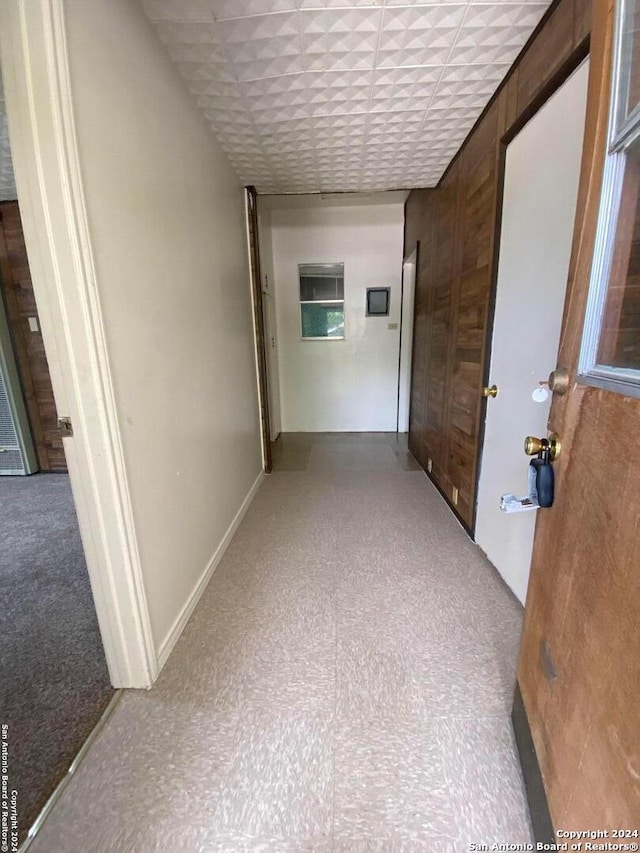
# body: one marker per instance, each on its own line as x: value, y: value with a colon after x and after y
x: 395, y: 845
x: 247, y: 844
x: 390, y: 782
x: 154, y: 768
x: 281, y: 778
x: 349, y: 457
x: 344, y: 684
x: 485, y: 781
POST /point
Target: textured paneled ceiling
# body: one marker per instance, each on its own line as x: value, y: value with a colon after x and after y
x: 7, y: 181
x: 342, y: 95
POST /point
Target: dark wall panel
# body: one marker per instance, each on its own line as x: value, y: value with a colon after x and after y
x: 456, y: 225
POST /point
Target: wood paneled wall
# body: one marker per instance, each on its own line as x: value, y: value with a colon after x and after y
x: 20, y: 303
x: 456, y: 227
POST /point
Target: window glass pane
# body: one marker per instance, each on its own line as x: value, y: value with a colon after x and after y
x: 321, y: 282
x: 619, y: 344
x: 322, y: 321
x: 629, y: 62
x: 320, y: 289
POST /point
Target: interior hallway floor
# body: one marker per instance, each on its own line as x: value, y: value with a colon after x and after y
x: 344, y: 684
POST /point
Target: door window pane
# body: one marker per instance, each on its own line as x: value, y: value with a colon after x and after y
x: 610, y: 351
x: 628, y: 94
x: 619, y: 344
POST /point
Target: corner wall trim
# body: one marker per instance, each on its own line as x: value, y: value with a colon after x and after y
x: 177, y: 628
x: 534, y: 786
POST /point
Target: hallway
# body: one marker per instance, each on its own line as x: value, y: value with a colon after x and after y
x: 344, y: 684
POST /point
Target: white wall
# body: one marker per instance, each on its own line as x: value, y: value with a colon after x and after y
x: 348, y: 385
x: 166, y: 217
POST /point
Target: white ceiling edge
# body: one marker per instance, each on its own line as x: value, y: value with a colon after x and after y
x: 292, y: 201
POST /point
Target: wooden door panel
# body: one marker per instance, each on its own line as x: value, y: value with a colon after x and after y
x: 477, y: 216
x: 421, y: 238
x: 542, y: 61
x: 585, y: 575
x: 579, y: 668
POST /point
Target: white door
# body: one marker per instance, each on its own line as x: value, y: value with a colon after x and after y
x: 406, y: 340
x: 540, y: 194
x: 273, y: 379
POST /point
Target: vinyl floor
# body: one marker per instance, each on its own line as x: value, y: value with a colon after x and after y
x: 344, y: 684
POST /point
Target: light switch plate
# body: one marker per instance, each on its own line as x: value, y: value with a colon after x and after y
x: 33, y: 324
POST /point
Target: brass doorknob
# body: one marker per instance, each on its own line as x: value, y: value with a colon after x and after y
x: 490, y: 392
x: 533, y: 445
x: 559, y: 381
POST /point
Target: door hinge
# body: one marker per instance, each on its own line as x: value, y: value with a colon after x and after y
x: 66, y: 427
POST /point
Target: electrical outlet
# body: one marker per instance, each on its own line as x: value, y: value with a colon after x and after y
x: 429, y: 465
x: 454, y: 496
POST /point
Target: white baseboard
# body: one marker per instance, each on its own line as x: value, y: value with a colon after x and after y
x: 177, y: 628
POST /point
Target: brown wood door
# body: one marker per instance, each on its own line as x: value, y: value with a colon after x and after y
x: 579, y: 669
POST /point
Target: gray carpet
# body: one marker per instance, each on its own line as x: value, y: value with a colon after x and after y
x: 54, y: 682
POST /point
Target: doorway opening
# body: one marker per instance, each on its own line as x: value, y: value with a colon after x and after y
x: 53, y: 671
x: 336, y: 308
x: 542, y: 170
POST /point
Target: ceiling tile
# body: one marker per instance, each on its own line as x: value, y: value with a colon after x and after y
x: 330, y: 92
x: 224, y: 9
x: 258, y: 28
x: 341, y: 94
x: 178, y: 10
x: 418, y: 35
x: 340, y: 38
x: 388, y: 97
x: 337, y: 4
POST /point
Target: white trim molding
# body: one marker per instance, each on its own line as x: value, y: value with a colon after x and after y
x: 166, y: 647
x: 41, y: 125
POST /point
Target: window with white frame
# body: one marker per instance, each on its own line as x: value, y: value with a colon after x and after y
x: 321, y: 301
x: 610, y: 351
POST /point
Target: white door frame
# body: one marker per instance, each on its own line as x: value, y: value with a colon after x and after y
x: 41, y: 123
x: 409, y: 273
